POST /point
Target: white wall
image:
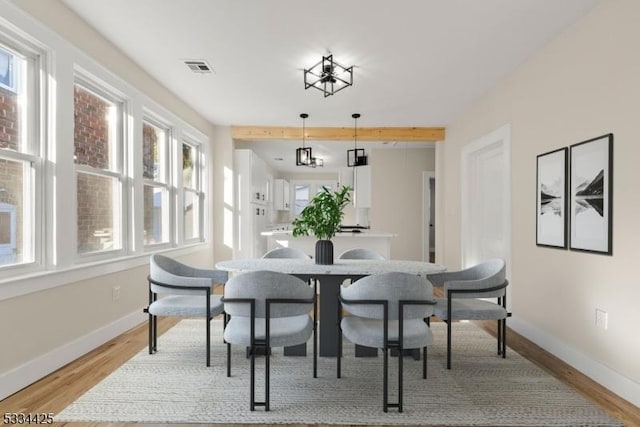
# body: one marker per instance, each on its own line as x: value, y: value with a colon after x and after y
x: 44, y: 330
x: 397, y: 196
x: 583, y: 84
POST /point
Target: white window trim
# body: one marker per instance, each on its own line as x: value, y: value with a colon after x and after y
x: 36, y: 130
x: 199, y: 189
x: 152, y: 118
x: 117, y: 169
x: 59, y: 62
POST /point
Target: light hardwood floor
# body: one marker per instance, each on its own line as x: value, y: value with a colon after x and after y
x: 54, y: 392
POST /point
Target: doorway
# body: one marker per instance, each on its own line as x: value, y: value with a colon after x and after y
x: 428, y: 216
x: 486, y: 198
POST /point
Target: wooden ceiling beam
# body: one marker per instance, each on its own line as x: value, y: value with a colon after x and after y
x: 264, y: 133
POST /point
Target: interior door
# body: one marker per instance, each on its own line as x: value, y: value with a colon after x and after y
x: 486, y: 198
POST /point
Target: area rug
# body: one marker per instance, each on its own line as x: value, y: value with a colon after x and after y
x: 482, y: 389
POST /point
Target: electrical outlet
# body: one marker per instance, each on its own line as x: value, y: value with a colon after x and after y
x: 602, y: 319
x: 115, y: 293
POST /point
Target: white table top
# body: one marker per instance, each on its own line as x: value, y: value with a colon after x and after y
x: 346, y: 267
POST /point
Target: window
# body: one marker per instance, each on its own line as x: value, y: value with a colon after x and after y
x: 20, y: 156
x: 191, y: 192
x: 304, y: 191
x: 155, y: 168
x: 98, y: 150
x: 9, y: 67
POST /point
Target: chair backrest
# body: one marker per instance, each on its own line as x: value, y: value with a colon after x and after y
x: 393, y: 287
x: 171, y: 272
x: 286, y: 253
x: 260, y: 285
x: 360, y: 253
x: 487, y: 274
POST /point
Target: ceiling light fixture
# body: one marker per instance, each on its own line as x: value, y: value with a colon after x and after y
x: 303, y: 154
x: 328, y: 76
x: 356, y: 157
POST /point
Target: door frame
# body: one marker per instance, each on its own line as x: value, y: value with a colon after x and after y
x: 426, y: 213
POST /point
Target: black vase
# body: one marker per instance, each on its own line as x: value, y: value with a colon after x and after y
x: 324, y: 252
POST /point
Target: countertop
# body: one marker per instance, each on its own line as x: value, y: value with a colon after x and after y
x: 363, y: 233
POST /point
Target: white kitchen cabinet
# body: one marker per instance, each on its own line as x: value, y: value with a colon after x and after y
x: 251, y: 210
x: 281, y: 197
x: 258, y: 175
x: 345, y: 177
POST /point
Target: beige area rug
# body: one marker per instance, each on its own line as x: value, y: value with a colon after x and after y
x: 482, y: 389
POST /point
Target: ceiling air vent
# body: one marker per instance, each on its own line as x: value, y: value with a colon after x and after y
x: 198, y: 66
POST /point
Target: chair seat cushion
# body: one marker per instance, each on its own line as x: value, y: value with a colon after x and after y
x: 186, y: 306
x: 369, y: 332
x: 284, y: 331
x: 469, y: 309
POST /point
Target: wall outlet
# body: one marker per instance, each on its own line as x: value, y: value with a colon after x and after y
x: 602, y: 319
x: 115, y: 293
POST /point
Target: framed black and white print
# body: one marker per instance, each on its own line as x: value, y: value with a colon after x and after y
x: 551, y: 203
x: 591, y: 201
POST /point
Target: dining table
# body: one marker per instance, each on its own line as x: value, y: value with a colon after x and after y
x: 330, y: 277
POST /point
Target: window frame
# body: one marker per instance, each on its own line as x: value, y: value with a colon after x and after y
x: 33, y: 148
x: 315, y: 185
x: 59, y: 63
x: 152, y: 119
x: 198, y: 189
x: 117, y: 162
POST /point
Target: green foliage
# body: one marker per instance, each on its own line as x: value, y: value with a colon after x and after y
x: 323, y: 215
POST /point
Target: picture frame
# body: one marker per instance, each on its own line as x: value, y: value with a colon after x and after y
x: 591, y: 195
x: 551, y: 198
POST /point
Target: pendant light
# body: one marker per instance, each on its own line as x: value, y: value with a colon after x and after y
x: 356, y: 157
x: 303, y: 154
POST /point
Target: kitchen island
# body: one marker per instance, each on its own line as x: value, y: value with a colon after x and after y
x: 377, y: 241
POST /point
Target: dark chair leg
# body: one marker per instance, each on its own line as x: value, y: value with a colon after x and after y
x: 315, y: 352
x: 499, y: 336
x: 385, y: 382
x: 267, y: 365
x: 339, y: 356
x: 424, y: 363
x: 400, y: 359
x: 448, y: 344
x: 315, y: 332
x: 208, y: 319
x: 228, y: 359
x: 151, y: 349
x: 504, y: 338
x: 225, y: 320
x: 252, y: 381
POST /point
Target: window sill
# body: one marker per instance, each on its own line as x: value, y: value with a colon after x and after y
x: 47, y: 279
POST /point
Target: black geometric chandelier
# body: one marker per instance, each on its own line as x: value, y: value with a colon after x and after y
x: 303, y: 154
x: 328, y: 76
x: 356, y: 157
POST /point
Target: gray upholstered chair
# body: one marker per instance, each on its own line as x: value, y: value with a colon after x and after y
x: 387, y: 311
x: 286, y: 253
x: 360, y: 253
x: 188, y: 293
x: 463, y: 291
x: 268, y: 309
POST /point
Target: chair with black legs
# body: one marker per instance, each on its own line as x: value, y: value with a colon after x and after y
x: 387, y: 311
x: 268, y: 309
x: 188, y: 292
x: 361, y: 253
x: 286, y: 252
x: 475, y: 293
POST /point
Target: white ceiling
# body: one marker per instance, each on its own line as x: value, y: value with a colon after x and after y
x: 416, y: 62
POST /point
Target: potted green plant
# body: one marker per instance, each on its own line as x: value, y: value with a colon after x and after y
x: 321, y: 218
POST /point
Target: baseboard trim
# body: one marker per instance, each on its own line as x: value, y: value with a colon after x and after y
x: 16, y: 379
x: 603, y: 375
